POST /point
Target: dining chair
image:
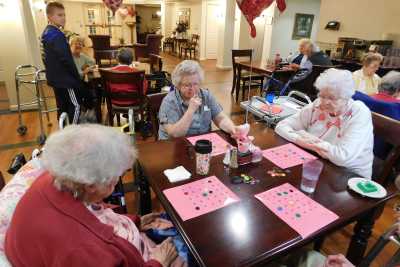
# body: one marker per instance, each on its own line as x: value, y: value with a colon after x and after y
x: 190, y: 46
x: 155, y: 101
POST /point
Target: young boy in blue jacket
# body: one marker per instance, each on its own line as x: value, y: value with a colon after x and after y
x: 61, y: 72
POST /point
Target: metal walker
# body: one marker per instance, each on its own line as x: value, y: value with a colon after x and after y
x: 25, y: 76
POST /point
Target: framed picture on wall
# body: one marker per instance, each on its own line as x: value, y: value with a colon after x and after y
x: 183, y: 16
x: 302, y: 26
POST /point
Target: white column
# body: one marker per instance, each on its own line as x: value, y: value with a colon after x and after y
x: 19, y: 44
x: 203, y: 30
x: 163, y: 20
x: 226, y: 29
x: 269, y: 17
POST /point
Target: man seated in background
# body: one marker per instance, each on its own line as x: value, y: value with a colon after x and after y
x: 84, y: 64
x: 125, y: 59
x: 389, y: 89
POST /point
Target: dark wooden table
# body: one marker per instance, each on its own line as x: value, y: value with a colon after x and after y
x: 259, y: 67
x: 219, y: 239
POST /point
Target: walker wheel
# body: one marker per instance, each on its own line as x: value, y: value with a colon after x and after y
x: 22, y: 129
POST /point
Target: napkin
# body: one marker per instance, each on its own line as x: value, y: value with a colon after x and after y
x: 178, y: 174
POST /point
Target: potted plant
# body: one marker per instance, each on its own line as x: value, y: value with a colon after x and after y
x: 181, y: 29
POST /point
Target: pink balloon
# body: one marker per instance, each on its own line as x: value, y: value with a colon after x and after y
x: 113, y: 4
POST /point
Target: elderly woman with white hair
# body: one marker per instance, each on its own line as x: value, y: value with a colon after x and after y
x: 389, y: 88
x: 84, y: 64
x: 310, y: 55
x: 60, y: 221
x: 189, y: 109
x: 334, y: 125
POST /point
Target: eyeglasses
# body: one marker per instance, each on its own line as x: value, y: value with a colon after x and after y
x: 329, y: 98
x: 190, y: 85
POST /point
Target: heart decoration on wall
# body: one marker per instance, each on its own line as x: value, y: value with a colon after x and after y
x: 131, y: 11
x: 123, y: 12
x: 113, y: 5
x: 251, y: 9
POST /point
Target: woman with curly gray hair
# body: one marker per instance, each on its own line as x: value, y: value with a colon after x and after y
x: 389, y: 89
x: 189, y: 109
x: 334, y: 125
x: 60, y: 221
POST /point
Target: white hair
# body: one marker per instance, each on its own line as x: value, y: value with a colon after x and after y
x: 390, y: 83
x: 186, y: 68
x: 88, y: 154
x: 339, y: 82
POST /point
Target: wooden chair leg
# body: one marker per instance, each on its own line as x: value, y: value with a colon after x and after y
x: 118, y: 119
x: 237, y: 89
x: 233, y: 83
x: 244, y: 90
x: 110, y: 118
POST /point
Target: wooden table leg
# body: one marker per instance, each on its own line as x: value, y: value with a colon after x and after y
x: 143, y: 188
x: 362, y: 232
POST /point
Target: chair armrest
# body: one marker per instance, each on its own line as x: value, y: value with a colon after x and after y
x: 139, y: 45
x: 151, y: 55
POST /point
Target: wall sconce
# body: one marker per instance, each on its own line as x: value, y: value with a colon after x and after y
x: 158, y: 13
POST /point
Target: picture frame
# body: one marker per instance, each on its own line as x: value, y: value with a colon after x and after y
x: 302, y: 26
x: 183, y: 16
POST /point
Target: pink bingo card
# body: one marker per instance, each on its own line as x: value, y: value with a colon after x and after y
x: 200, y: 197
x: 219, y: 145
x: 287, y: 156
x: 300, y: 212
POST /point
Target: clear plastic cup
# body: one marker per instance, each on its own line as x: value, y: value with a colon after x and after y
x: 311, y: 171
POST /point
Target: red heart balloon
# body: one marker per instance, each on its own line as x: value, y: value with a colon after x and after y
x: 251, y: 9
x: 113, y: 5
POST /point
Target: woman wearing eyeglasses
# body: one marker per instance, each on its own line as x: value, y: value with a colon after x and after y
x: 189, y: 109
x: 334, y: 125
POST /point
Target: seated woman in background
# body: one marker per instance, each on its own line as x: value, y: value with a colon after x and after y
x: 389, y: 88
x: 365, y: 79
x: 83, y: 63
x: 299, y: 61
x: 60, y: 221
x: 334, y: 125
x: 189, y: 109
x: 125, y: 59
x: 312, y: 56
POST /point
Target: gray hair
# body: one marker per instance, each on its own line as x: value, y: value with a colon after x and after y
x: 125, y: 56
x: 340, y: 82
x: 390, y: 83
x: 87, y: 154
x: 186, y: 68
x: 76, y: 39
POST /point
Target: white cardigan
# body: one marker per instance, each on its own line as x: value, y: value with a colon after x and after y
x: 348, y: 138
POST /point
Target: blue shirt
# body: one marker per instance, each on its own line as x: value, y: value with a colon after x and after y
x: 173, y: 108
